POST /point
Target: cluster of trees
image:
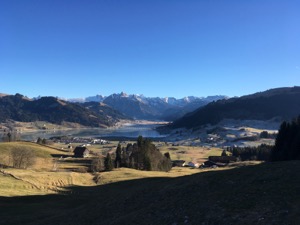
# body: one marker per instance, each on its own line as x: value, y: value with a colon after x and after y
x: 287, y: 144
x: 266, y: 134
x: 44, y: 141
x: 261, y: 152
x: 10, y: 136
x: 142, y: 155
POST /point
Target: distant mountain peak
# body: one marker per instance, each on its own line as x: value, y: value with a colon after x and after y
x: 123, y: 94
x: 142, y: 107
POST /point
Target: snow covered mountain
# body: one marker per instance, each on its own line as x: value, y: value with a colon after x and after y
x: 141, y: 107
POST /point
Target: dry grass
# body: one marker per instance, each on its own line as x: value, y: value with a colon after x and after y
x: 122, y: 174
x: 30, y: 182
x: 40, y: 150
x: 44, y: 155
x: 41, y: 182
x: 190, y: 153
x: 97, y: 148
x: 50, y: 174
x: 10, y: 186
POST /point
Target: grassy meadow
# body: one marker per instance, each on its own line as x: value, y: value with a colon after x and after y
x: 55, y: 169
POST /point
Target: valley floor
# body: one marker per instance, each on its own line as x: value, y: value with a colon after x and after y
x: 226, y: 133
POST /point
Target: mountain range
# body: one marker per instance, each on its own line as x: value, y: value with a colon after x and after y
x: 54, y: 110
x: 153, y: 108
x: 96, y: 111
x: 189, y: 112
x: 280, y: 103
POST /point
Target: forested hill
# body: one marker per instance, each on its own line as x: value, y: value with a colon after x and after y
x: 283, y: 103
x: 50, y: 109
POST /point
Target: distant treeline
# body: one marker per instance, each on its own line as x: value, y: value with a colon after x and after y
x: 261, y: 152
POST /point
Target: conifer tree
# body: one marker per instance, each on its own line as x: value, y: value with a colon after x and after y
x: 167, y: 155
x: 118, y: 159
x: 224, y: 153
x: 287, y: 144
x: 108, y: 164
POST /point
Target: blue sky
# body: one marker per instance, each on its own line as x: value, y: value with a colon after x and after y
x: 72, y: 48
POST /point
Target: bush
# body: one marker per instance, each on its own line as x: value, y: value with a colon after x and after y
x: 97, y: 164
x: 22, y: 158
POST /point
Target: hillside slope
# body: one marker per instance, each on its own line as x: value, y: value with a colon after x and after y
x: 236, y: 196
x: 53, y: 110
x: 283, y: 103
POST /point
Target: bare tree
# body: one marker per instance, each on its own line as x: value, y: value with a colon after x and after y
x: 22, y: 157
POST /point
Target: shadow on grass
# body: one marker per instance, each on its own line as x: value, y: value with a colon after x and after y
x: 260, y: 194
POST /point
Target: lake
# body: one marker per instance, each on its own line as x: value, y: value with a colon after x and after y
x: 128, y: 130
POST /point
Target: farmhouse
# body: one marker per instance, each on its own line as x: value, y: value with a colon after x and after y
x: 193, y: 164
x: 222, y: 159
x: 81, y: 152
x: 212, y: 164
x: 179, y: 163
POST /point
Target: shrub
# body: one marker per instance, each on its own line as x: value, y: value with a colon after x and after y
x: 22, y: 157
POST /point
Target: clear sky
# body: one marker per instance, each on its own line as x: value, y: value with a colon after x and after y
x: 72, y: 48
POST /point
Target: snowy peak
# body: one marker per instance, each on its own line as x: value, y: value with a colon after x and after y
x: 97, y: 98
x: 140, y: 107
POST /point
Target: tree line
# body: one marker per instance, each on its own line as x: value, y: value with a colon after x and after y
x: 287, y: 145
x: 261, y: 152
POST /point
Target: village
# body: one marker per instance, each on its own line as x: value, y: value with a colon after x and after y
x: 84, y: 149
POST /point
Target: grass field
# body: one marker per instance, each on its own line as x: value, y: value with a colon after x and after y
x: 190, y: 153
x: 44, y: 155
x: 123, y: 174
x: 51, y: 172
x: 97, y: 148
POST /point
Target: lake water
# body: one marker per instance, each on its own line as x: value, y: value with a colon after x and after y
x: 130, y: 131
